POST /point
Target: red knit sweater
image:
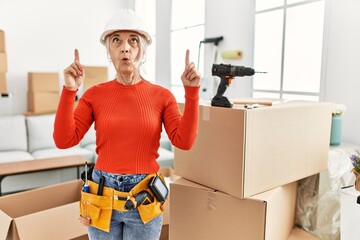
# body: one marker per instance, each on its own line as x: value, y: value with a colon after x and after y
x: 128, y: 122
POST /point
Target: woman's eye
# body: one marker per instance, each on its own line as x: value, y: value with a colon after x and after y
x: 134, y: 40
x: 115, y: 39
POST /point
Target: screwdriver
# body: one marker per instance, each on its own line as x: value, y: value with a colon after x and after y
x: 86, y: 186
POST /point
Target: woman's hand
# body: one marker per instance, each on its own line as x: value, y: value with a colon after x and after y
x: 190, y: 77
x: 74, y: 74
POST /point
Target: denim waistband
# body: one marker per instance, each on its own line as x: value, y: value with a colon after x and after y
x: 120, y: 182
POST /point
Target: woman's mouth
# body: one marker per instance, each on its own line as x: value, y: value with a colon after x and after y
x: 126, y: 60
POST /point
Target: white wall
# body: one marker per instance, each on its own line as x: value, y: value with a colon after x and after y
x: 41, y: 35
x: 234, y: 20
x: 342, y: 79
x: 163, y: 58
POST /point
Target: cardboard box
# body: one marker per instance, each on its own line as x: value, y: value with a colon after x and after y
x: 95, y: 75
x: 43, y: 101
x: 43, y: 81
x: 96, y: 72
x: 199, y: 212
x: 243, y: 152
x: 3, y: 62
x: 169, y: 176
x: 2, y: 41
x: 164, y: 233
x: 300, y: 234
x: 46, y: 213
x: 3, y: 84
x: 350, y: 213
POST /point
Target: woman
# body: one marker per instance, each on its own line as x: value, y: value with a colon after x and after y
x: 129, y: 113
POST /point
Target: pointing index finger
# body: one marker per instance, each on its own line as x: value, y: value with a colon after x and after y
x: 187, y: 61
x: 77, y: 57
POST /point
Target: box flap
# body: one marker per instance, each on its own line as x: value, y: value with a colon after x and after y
x: 5, y: 221
x: 266, y: 196
x: 40, y: 198
x: 187, y: 183
x: 33, y: 226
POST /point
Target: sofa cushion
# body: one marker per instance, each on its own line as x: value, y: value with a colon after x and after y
x: 14, y: 156
x: 13, y: 133
x: 40, y: 132
x: 55, y: 152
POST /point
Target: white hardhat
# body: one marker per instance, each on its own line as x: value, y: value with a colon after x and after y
x: 125, y: 19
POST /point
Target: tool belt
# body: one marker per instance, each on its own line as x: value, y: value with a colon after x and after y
x: 96, y: 210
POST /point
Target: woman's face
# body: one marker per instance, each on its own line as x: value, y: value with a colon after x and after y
x: 125, y: 51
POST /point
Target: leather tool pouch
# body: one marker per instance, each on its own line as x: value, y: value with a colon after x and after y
x: 96, y: 210
x: 152, y: 210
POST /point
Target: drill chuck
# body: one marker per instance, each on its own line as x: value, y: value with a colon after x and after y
x: 231, y: 71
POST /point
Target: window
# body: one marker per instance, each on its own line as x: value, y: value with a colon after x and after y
x: 146, y: 9
x: 187, y: 30
x: 288, y: 45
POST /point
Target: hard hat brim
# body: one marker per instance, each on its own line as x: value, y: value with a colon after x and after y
x: 144, y: 34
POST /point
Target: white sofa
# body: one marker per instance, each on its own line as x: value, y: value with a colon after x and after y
x: 30, y: 137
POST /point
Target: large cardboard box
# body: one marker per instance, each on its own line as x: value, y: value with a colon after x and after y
x: 43, y: 81
x: 199, y: 212
x: 2, y: 41
x: 243, y: 152
x: 350, y: 213
x: 3, y: 84
x: 43, y: 101
x: 96, y: 72
x: 3, y: 62
x: 46, y: 213
x: 169, y: 179
x: 94, y: 75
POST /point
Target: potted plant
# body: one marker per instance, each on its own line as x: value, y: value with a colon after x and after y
x: 355, y: 161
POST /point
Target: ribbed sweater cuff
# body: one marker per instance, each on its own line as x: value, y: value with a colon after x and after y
x: 192, y: 93
x: 68, y: 95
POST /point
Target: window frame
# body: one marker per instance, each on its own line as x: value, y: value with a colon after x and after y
x: 281, y: 92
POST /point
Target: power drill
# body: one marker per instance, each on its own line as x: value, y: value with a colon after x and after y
x: 227, y: 72
x: 142, y: 198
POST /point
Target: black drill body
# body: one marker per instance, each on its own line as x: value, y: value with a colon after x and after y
x: 227, y: 72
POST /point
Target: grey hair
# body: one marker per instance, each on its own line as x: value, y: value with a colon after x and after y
x: 141, y: 57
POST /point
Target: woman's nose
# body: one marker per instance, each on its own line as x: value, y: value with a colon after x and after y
x: 125, y: 47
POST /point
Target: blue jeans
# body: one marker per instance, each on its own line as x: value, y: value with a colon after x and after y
x: 125, y: 225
